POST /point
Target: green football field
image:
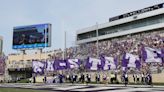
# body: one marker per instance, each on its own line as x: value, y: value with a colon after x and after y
x: 20, y: 90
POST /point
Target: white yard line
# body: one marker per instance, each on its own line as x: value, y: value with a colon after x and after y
x: 94, y: 89
x: 69, y: 87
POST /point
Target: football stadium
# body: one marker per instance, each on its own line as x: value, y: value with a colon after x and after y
x: 128, y: 49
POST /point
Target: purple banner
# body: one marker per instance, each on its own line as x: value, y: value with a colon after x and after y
x: 110, y: 63
x: 151, y: 55
x: 38, y: 67
x: 60, y: 64
x: 93, y: 64
x: 50, y: 65
x: 130, y: 61
x: 73, y: 63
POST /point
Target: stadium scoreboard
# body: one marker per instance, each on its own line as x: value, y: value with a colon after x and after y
x: 32, y: 36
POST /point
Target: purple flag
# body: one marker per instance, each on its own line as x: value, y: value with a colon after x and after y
x: 109, y: 63
x: 153, y: 55
x: 60, y: 64
x: 50, y: 65
x: 38, y: 67
x: 131, y: 61
x: 73, y: 63
x: 93, y: 64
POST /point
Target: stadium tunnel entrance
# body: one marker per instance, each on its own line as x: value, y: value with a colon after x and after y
x: 19, y: 74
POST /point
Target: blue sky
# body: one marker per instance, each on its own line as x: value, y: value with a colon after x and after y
x: 64, y: 15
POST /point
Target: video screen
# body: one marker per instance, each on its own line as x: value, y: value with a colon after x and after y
x: 33, y: 36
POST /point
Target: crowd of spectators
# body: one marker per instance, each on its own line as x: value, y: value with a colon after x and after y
x: 117, y: 46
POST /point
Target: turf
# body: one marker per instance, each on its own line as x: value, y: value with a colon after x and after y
x: 20, y: 90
